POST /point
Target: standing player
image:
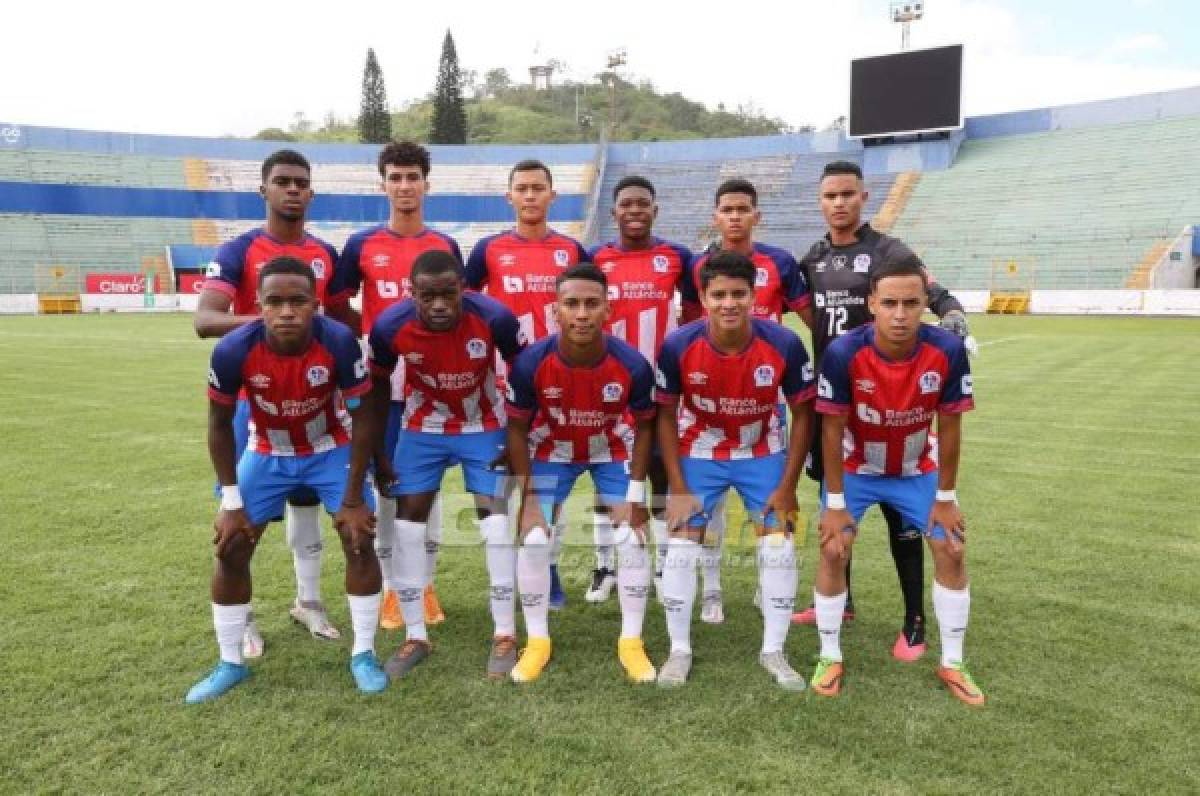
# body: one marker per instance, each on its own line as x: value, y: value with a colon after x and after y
x: 519, y: 268
x: 837, y: 269
x: 643, y: 273
x: 881, y: 386
x: 379, y: 261
x: 719, y: 380
x: 448, y: 340
x: 778, y: 286
x: 572, y: 396
x: 301, y: 372
x: 229, y: 300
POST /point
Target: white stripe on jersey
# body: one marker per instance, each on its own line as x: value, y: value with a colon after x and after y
x: 280, y: 441
x: 316, y: 431
x: 473, y: 418
x: 706, y: 442
x: 598, y: 450
x: 564, y: 451
x: 435, y: 421
x: 647, y: 332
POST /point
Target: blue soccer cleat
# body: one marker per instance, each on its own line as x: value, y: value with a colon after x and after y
x: 218, y: 681
x: 558, y: 597
x: 369, y: 676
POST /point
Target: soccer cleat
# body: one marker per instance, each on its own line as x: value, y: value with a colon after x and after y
x: 827, y: 677
x: 224, y: 677
x: 433, y: 607
x: 960, y: 683
x: 603, y: 581
x: 675, y: 669
x: 632, y: 654
x: 778, y: 667
x: 252, y: 640
x: 910, y: 644
x: 405, y: 659
x: 533, y: 660
x: 502, y: 658
x: 809, y: 615
x: 369, y: 676
x: 390, y: 615
x: 558, y: 597
x: 712, y: 608
x: 311, y: 614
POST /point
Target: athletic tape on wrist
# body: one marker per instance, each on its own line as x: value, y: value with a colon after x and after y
x: 947, y: 496
x: 636, y: 493
x: 835, y: 501
x: 231, y: 498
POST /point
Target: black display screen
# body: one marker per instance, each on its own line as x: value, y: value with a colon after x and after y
x: 908, y: 92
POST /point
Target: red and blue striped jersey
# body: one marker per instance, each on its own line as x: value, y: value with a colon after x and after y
x: 234, y: 272
x: 296, y: 400
x: 728, y: 402
x: 580, y: 414
x: 779, y: 284
x: 452, y: 374
x: 520, y: 273
x: 641, y: 291
x: 890, y: 406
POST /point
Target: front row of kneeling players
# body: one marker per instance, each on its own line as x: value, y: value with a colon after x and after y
x: 581, y: 400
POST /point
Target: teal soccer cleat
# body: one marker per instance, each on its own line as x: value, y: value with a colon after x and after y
x: 218, y: 681
x: 369, y: 676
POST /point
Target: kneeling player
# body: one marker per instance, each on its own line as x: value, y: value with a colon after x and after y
x: 571, y: 398
x: 719, y: 380
x: 881, y: 386
x: 448, y: 339
x: 297, y: 368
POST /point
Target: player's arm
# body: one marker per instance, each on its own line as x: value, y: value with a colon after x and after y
x: 946, y: 513
x: 530, y: 511
x: 782, y: 501
x: 835, y: 519
x: 682, y: 505
x: 212, y: 317
x: 231, y: 518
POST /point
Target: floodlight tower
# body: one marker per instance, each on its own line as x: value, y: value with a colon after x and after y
x: 616, y: 58
x: 905, y: 12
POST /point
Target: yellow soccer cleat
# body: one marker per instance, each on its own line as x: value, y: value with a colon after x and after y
x: 632, y: 654
x: 533, y: 660
x: 433, y: 608
x: 390, y: 615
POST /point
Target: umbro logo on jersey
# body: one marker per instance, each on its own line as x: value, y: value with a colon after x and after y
x: 839, y: 262
x: 764, y: 376
x: 865, y: 386
x: 562, y: 258
x: 318, y: 268
x: 696, y: 378
x: 414, y: 357
x: 212, y: 270
x: 513, y: 284
x: 507, y: 259
x: 259, y: 381
x: 552, y: 393
x: 661, y: 263
x: 317, y: 375
x: 862, y: 263
x: 611, y: 393
x: 476, y: 348
x: 380, y: 260
x: 761, y: 277
x: 930, y: 381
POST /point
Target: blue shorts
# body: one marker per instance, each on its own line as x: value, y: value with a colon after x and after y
x: 241, y: 435
x: 422, y: 458
x: 753, y: 479
x: 553, y: 481
x: 266, y: 481
x: 912, y: 496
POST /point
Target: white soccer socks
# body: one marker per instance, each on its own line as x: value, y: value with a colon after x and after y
x: 951, y: 607
x: 777, y: 580
x: 303, y: 528
x: 659, y: 529
x: 364, y: 618
x: 408, y: 568
x: 385, y: 538
x: 633, y: 581
x: 679, y: 591
x: 602, y: 536
x: 829, y: 623
x: 501, y: 558
x: 533, y: 581
x: 229, y: 622
x: 710, y: 561
x: 433, y: 538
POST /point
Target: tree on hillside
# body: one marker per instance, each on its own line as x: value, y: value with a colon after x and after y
x: 449, y: 124
x: 374, y: 122
x: 496, y: 81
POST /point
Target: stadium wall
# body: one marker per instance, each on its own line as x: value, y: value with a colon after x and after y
x: 1140, y: 108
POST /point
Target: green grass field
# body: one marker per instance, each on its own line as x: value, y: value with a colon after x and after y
x: 1079, y: 478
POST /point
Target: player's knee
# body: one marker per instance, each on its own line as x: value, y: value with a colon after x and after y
x: 235, y: 555
x: 536, y: 538
x: 776, y: 551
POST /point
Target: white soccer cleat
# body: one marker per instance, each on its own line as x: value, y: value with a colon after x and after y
x: 674, y: 672
x: 778, y: 667
x: 603, y: 581
x: 252, y: 640
x: 712, y: 608
x: 311, y: 614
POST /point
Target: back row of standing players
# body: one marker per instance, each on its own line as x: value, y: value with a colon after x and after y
x: 641, y: 275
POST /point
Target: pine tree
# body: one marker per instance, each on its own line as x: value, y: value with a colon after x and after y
x: 449, y: 114
x: 374, y: 122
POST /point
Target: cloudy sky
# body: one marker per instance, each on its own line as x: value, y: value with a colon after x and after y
x: 221, y: 67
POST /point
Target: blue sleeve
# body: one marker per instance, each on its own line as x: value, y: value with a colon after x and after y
x: 348, y: 274
x: 666, y: 376
x: 383, y: 355
x: 687, y: 281
x: 833, y: 386
x: 797, y: 381
x: 958, y: 391
x: 641, y: 386
x: 507, y: 334
x: 795, y: 286
x: 229, y: 263
x: 348, y: 360
x: 476, y: 267
x: 581, y: 254
x: 225, y: 369
x: 454, y: 248
x: 521, y: 394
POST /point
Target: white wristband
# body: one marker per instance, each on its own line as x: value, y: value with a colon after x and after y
x: 231, y: 498
x: 835, y: 501
x: 947, y: 496
x: 636, y: 493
